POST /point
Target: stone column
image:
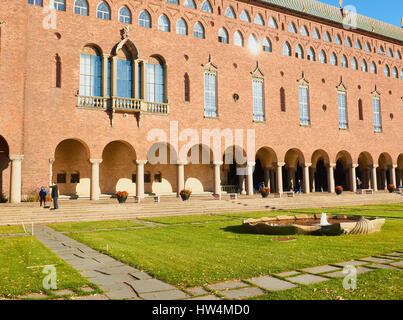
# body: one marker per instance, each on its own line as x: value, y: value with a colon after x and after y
x: 140, y: 177
x: 374, y: 182
x: 181, y: 177
x: 267, y: 177
x: 114, y: 72
x: 105, y: 59
x: 353, y: 177
x: 51, y: 161
x: 306, y: 177
x: 330, y: 177
x: 95, y: 190
x: 249, y: 167
x: 15, y: 191
x: 392, y: 172
x: 242, y: 184
x: 144, y: 79
x: 217, y: 177
x: 279, y: 168
x: 385, y: 179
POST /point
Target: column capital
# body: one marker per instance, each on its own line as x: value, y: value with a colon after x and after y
x: 16, y: 157
x: 141, y: 162
x: 95, y: 161
x: 218, y: 163
x: 181, y: 163
x: 332, y: 165
x: 278, y: 164
x: 51, y: 160
x: 106, y: 55
x: 307, y: 164
x: 354, y: 165
x: 374, y: 166
x: 394, y: 166
x: 250, y: 164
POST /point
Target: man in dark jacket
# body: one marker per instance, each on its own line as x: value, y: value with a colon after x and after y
x: 55, y: 196
x: 42, y: 196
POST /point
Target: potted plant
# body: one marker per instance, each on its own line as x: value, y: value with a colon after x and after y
x: 265, y: 191
x: 391, y: 187
x: 122, y: 196
x: 185, y: 194
x: 339, y: 189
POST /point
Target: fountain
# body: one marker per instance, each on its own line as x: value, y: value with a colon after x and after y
x: 323, y: 220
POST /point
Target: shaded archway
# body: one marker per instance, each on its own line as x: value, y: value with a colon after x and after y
x: 364, y: 170
x: 319, y: 171
x: 4, y: 168
x: 342, y: 172
x: 233, y: 170
x: 118, y: 168
x: 399, y: 171
x: 264, y: 168
x: 72, y: 169
x: 292, y: 171
x: 199, y: 172
x: 385, y: 165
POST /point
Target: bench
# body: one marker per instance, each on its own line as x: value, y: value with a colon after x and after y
x: 365, y: 191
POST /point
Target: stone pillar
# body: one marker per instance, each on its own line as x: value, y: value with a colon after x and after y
x: 15, y: 191
x: 330, y: 177
x: 242, y: 183
x: 181, y: 177
x: 306, y: 177
x: 353, y: 178
x: 95, y: 190
x: 217, y: 177
x: 374, y: 180
x: 267, y: 177
x: 392, y: 172
x: 385, y: 179
x: 51, y: 161
x: 105, y: 59
x: 140, y: 177
x: 249, y: 167
x: 144, y: 80
x: 114, y: 72
x: 312, y: 179
x: 279, y: 168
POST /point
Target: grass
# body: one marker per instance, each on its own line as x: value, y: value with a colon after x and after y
x: 190, y: 219
x: 19, y: 253
x: 6, y: 230
x: 374, y: 285
x: 94, y: 225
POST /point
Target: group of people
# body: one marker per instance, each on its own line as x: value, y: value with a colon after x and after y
x: 54, y: 193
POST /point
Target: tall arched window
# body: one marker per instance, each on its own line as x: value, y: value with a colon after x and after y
x: 238, y: 39
x: 222, y: 35
x: 364, y: 67
x: 358, y: 45
x: 386, y: 71
x: 292, y: 28
x: 398, y: 55
x: 259, y: 20
x: 103, y: 11
x: 181, y: 27
x: 272, y: 23
x: 299, y: 52
x: 187, y: 87
x: 81, y: 7
x: 244, y: 16
x: 155, y: 80
x: 163, y: 23
x: 354, y: 64
x: 144, y: 19
x: 390, y: 53
x: 315, y: 34
x: 333, y: 59
x: 360, y: 110
x: 282, y: 100
x: 322, y: 57
x: 206, y: 7
x: 90, y: 72
x: 343, y: 61
x: 327, y: 37
x: 348, y: 42
x: 286, y: 49
x: 395, y: 73
x: 337, y: 39
x: 304, y: 31
x: 229, y: 13
x: 381, y: 50
x: 198, y: 30
x: 58, y: 71
x: 267, y: 45
x: 373, y: 68
x: 367, y: 47
x: 189, y: 4
x: 253, y: 43
x: 311, y: 54
x: 125, y: 15
x: 124, y: 74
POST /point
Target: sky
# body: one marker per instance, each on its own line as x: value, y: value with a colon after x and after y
x: 390, y: 11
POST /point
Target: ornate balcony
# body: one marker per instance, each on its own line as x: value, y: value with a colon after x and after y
x: 126, y: 104
x: 157, y: 107
x: 98, y: 103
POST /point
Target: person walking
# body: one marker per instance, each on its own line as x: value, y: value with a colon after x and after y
x: 55, y: 196
x: 42, y: 196
x: 359, y: 183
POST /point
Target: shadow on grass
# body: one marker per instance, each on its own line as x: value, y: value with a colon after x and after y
x: 237, y: 229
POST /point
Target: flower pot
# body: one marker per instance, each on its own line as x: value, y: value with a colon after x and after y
x: 338, y: 192
x: 264, y: 194
x: 391, y: 190
x: 122, y: 199
x: 185, y: 197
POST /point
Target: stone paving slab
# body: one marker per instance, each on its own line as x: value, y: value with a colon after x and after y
x: 397, y: 264
x: 197, y: 291
x: 34, y: 296
x: 92, y: 297
x: 288, y: 273
x: 165, y: 295
x: 105, y: 280
x: 64, y: 292
x: 382, y: 266
x: 390, y: 257
x: 380, y: 260
x: 271, y: 283
x: 228, y: 285
x: 340, y: 274
x: 242, y: 293
x: 321, y: 269
x: 123, y: 269
x: 205, y: 298
x: 351, y: 263
x: 140, y: 275
x: 307, y: 279
x: 151, y: 285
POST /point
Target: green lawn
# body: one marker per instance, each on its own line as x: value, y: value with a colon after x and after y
x: 190, y: 219
x: 19, y: 253
x: 374, y: 285
x: 94, y: 225
x: 6, y: 230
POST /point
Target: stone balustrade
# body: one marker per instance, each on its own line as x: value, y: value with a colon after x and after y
x: 92, y: 102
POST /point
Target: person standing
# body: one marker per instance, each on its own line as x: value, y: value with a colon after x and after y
x: 42, y: 196
x: 55, y: 196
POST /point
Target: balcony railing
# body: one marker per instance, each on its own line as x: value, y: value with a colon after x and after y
x: 157, y: 107
x: 126, y: 104
x: 92, y: 102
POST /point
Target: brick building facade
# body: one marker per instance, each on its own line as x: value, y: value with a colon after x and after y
x: 85, y: 85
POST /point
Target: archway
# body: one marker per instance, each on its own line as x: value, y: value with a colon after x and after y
x: 4, y: 168
x: 342, y: 172
x: 319, y: 171
x: 199, y: 173
x: 233, y: 170
x: 399, y: 171
x: 293, y: 173
x: 384, y: 170
x: 71, y: 169
x: 363, y: 171
x: 118, y: 168
x: 264, y: 169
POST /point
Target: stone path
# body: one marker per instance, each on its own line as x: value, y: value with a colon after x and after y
x: 120, y: 281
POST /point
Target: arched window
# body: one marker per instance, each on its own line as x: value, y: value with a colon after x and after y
x: 299, y: 52
x: 272, y: 23
x: 259, y: 20
x: 222, y: 35
x: 327, y: 37
x: 173, y: 1
x: 367, y: 47
x: 163, y: 23
x: 187, y: 87
x: 125, y: 15
x: 238, y: 39
x: 386, y: 71
x: 144, y: 19
x: 267, y: 45
x: 372, y: 68
x: 292, y: 28
x: 286, y: 49
x: 124, y: 74
x: 354, y: 64
x: 282, y: 100
x: 90, y: 72
x: 358, y: 45
x: 253, y: 43
x: 155, y: 81
x: 189, y: 4
x: 343, y: 61
x: 348, y: 42
x: 58, y: 71
x: 103, y: 11
x: 229, y: 13
x: 81, y: 7
x: 322, y: 57
x: 364, y: 67
x: 360, y: 110
x: 381, y: 50
x: 206, y: 7
x: 198, y: 30
x: 337, y: 39
x: 181, y: 27
x: 244, y: 16
x: 395, y: 73
x: 315, y: 34
x: 390, y: 53
x: 398, y: 55
x: 311, y: 54
x: 58, y: 5
x: 333, y: 59
x: 304, y: 31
